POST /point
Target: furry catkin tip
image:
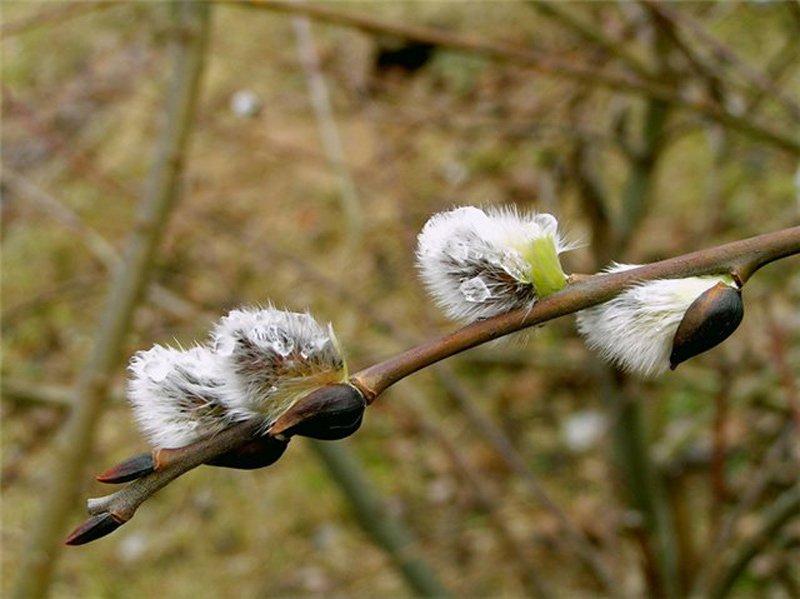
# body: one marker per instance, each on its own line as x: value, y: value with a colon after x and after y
x: 478, y: 264
x: 178, y: 396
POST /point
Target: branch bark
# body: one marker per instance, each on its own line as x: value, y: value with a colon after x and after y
x: 129, y: 283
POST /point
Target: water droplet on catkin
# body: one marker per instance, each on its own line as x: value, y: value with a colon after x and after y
x: 475, y: 290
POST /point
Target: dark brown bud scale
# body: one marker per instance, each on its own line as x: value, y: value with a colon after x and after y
x: 709, y: 320
x: 94, y: 528
x: 329, y: 413
x: 130, y: 469
x: 257, y: 453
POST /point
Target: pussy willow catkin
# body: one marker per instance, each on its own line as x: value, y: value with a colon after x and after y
x: 478, y: 264
x: 258, y: 364
x: 636, y: 329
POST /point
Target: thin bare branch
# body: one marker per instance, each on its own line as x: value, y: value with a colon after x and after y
x: 740, y: 258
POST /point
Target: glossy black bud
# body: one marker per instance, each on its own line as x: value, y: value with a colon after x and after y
x: 330, y: 413
x: 709, y: 320
x: 258, y: 453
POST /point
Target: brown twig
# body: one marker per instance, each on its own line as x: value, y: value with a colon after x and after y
x: 741, y: 258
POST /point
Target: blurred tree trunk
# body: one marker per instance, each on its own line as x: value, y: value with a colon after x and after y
x: 75, y: 443
x: 371, y: 514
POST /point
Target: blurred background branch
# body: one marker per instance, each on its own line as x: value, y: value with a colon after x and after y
x: 130, y: 280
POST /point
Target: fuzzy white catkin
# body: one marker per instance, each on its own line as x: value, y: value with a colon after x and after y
x: 259, y: 363
x: 635, y: 330
x: 276, y: 357
x: 473, y: 262
x: 178, y: 396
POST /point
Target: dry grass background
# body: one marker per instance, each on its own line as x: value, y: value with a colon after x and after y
x: 260, y: 220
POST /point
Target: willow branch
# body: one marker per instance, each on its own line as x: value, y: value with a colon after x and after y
x: 739, y: 258
x: 538, y: 61
x: 124, y: 502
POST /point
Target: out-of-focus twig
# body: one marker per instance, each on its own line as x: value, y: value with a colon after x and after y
x: 192, y: 20
x: 97, y: 244
x: 25, y: 393
x: 758, y: 482
x: 563, y: 13
x: 724, y: 54
x: 535, y: 583
x: 501, y: 444
x: 719, y: 486
x: 774, y: 517
x: 370, y: 512
x: 783, y: 368
x: 328, y: 130
x: 532, y: 59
